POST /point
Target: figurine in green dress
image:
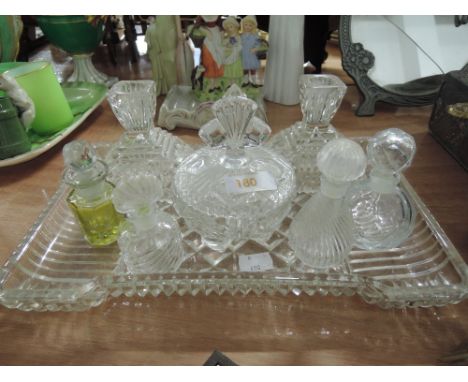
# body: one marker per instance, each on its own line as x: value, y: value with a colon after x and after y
x: 161, y: 37
x: 233, y: 70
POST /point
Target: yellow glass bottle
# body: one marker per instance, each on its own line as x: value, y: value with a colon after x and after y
x: 90, y: 200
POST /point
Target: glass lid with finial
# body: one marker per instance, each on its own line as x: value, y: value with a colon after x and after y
x: 234, y: 189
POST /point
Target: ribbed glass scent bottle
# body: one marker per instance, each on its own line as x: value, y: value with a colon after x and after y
x: 382, y: 212
x: 234, y: 189
x: 151, y: 240
x: 322, y: 233
x: 90, y: 199
x: 320, y: 96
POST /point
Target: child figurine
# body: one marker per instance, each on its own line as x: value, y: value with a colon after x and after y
x: 250, y: 47
x: 212, y: 52
x: 233, y: 69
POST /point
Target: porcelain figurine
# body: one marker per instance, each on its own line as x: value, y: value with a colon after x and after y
x: 220, y: 72
x: 212, y: 52
x: 250, y: 47
x: 233, y: 69
x: 161, y: 37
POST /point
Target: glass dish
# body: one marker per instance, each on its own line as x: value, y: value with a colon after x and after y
x: 55, y: 269
x: 234, y: 189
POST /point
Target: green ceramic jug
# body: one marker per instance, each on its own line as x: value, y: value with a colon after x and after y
x: 13, y: 137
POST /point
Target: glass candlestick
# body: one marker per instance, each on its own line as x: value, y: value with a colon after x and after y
x: 134, y: 105
x: 322, y: 233
x: 382, y: 212
x: 150, y: 241
x: 320, y: 97
x: 138, y: 149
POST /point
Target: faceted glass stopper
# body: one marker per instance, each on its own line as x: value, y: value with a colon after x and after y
x: 82, y: 166
x: 391, y: 150
x: 320, y: 96
x: 134, y: 104
x: 78, y: 154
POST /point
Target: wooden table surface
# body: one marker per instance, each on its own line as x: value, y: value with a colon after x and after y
x: 251, y: 329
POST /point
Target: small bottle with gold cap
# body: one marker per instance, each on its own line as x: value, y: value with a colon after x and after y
x: 91, y: 197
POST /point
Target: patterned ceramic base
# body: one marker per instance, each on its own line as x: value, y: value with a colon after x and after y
x: 182, y: 108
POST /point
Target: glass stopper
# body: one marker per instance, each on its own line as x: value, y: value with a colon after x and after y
x: 79, y: 154
x: 391, y: 150
x: 234, y: 114
x: 342, y: 160
x: 137, y: 194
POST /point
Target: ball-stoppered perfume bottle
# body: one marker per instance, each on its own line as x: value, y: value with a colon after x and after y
x: 382, y: 212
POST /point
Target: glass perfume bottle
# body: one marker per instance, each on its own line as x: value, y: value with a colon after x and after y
x: 234, y: 189
x: 151, y: 240
x: 90, y: 199
x: 322, y: 233
x: 320, y: 96
x: 382, y: 212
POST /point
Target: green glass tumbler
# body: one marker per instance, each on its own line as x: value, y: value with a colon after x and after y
x: 53, y: 112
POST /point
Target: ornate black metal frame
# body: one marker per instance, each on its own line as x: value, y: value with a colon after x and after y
x: 357, y: 61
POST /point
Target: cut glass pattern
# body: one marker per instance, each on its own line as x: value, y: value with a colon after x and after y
x: 54, y: 268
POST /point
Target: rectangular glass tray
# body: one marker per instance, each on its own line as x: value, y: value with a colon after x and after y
x: 54, y: 268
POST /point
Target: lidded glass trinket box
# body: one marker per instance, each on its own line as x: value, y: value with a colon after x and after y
x: 234, y: 189
x: 382, y: 212
x: 320, y: 96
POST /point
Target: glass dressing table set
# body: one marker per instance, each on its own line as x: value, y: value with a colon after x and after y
x: 305, y: 211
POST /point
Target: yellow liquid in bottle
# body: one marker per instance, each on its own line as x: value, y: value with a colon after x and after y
x: 99, y: 220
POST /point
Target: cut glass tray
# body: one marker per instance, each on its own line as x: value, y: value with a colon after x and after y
x: 54, y: 268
